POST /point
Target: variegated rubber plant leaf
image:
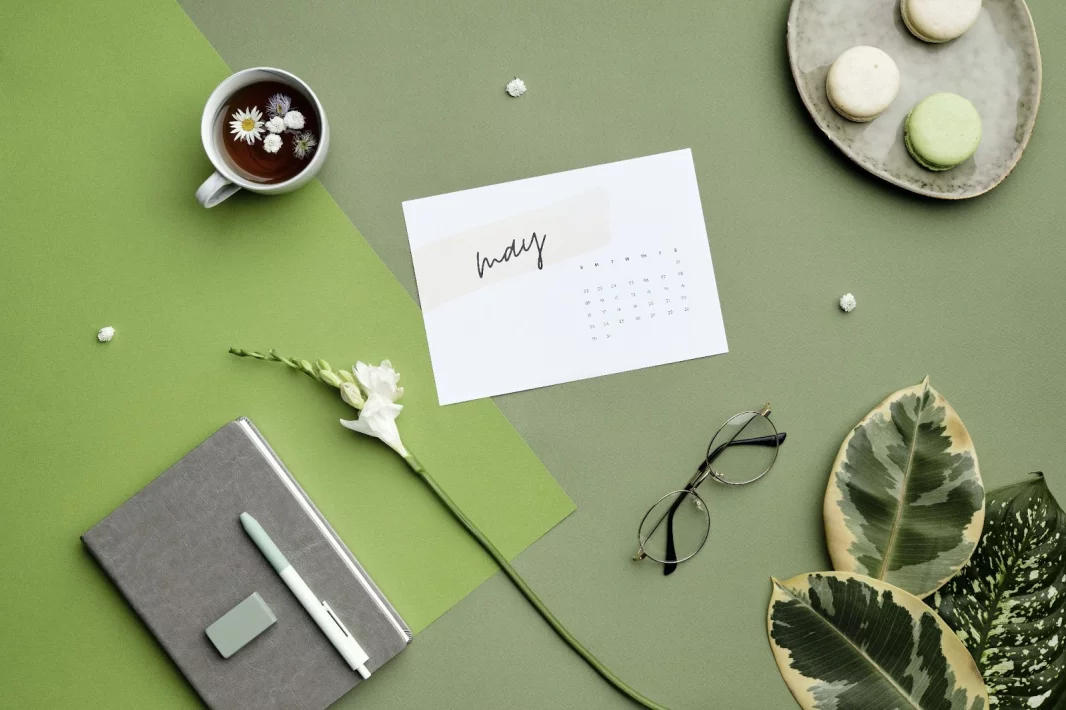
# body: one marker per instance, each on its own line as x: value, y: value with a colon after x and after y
x: 905, y: 503
x: 1008, y: 604
x: 847, y: 642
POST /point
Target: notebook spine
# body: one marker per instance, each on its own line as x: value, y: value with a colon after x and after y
x: 342, y: 550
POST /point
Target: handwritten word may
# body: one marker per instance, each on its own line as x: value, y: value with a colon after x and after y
x: 514, y: 249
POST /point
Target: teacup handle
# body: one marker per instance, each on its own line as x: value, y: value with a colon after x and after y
x: 214, y: 190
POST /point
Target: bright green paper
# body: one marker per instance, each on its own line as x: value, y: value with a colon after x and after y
x: 100, y: 228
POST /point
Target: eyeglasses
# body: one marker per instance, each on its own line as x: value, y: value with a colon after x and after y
x: 677, y: 526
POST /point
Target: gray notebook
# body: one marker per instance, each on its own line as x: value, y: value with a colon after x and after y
x: 177, y: 552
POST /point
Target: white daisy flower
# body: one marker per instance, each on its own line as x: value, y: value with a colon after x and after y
x: 294, y: 120
x: 303, y: 145
x: 247, y: 125
x: 516, y: 87
x: 278, y: 105
x: 272, y: 143
x: 276, y: 124
x: 848, y: 303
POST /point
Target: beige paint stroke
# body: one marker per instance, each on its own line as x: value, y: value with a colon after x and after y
x: 448, y: 268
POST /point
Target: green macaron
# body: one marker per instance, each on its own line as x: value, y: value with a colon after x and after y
x: 942, y: 131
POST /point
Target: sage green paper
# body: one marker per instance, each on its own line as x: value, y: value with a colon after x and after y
x: 968, y: 292
x: 100, y: 228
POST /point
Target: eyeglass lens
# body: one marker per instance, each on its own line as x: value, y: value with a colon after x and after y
x: 744, y: 449
x: 677, y: 526
x: 690, y: 523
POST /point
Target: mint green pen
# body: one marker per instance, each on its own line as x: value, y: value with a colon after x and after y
x: 320, y: 611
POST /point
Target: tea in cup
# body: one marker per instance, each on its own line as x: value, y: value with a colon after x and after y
x: 264, y: 130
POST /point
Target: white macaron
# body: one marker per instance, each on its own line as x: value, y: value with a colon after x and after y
x: 939, y: 21
x: 862, y: 83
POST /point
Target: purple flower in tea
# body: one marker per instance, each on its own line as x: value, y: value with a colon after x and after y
x: 247, y: 125
x: 278, y: 105
x: 303, y: 145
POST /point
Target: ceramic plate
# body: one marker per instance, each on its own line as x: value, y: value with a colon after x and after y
x: 996, y: 65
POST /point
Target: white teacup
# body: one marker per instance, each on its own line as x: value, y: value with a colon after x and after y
x: 225, y: 181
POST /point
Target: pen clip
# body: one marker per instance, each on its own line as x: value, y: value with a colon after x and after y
x: 336, y: 620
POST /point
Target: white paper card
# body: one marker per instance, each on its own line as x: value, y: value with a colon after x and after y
x: 564, y: 277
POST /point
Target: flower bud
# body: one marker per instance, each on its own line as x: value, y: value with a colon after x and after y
x: 346, y: 376
x: 323, y: 365
x: 351, y: 394
x: 330, y: 378
x: 306, y: 367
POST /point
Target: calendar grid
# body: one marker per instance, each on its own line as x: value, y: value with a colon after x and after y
x: 625, y: 292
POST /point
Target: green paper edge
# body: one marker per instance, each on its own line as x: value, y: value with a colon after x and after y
x: 101, y: 228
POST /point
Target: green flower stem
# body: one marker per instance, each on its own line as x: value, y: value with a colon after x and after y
x: 322, y: 372
x: 527, y: 592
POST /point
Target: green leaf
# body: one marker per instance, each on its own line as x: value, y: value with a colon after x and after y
x: 905, y: 503
x: 1008, y: 604
x: 847, y: 642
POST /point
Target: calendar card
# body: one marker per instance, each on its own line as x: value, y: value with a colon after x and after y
x: 565, y: 277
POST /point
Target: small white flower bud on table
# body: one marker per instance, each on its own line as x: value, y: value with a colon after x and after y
x: 847, y: 303
x: 105, y: 334
x: 515, y: 87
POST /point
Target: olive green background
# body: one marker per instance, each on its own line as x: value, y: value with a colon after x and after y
x: 970, y: 293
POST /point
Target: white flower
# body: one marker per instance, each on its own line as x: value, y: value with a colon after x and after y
x: 352, y: 395
x: 278, y: 105
x: 247, y: 125
x: 303, y: 145
x: 380, y: 379
x: 294, y: 120
x: 847, y: 303
x: 105, y: 334
x: 516, y: 87
x: 276, y: 124
x: 378, y: 419
x: 272, y: 143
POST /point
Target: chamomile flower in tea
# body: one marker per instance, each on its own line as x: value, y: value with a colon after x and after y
x: 278, y: 105
x: 275, y: 134
x: 276, y: 124
x: 247, y: 125
x: 272, y: 143
x: 303, y: 145
x: 294, y: 120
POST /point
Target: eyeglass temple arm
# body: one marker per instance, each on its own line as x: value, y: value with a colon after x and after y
x: 770, y: 440
x: 671, y: 551
x: 702, y: 468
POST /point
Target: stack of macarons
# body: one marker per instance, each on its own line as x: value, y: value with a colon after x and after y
x: 944, y: 129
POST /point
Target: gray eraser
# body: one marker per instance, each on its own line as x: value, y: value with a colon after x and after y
x: 240, y: 625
